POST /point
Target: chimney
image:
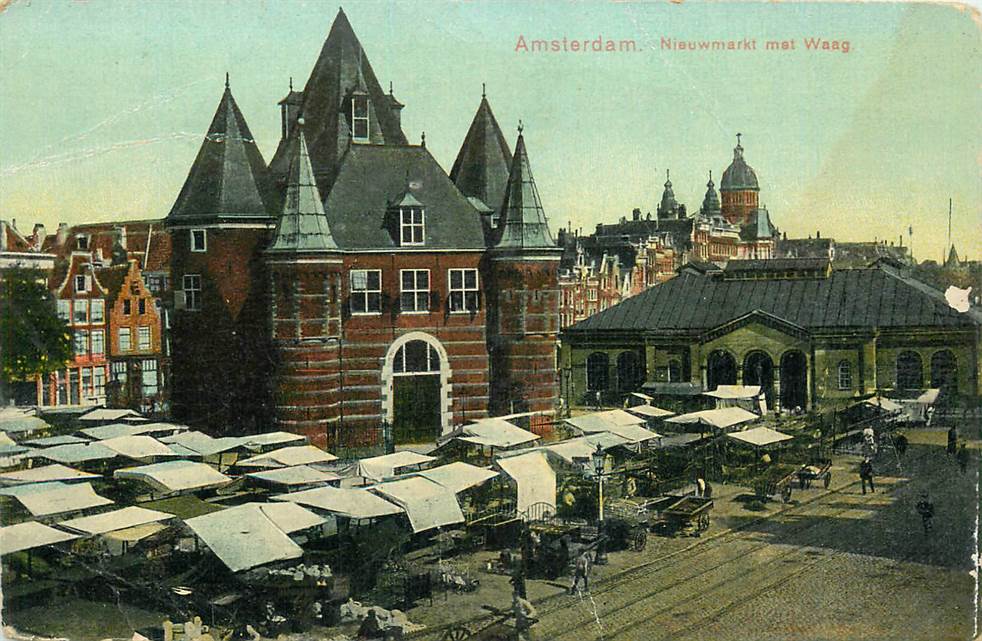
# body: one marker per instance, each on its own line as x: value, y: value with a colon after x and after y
x: 818, y: 234
x: 636, y: 214
x: 121, y: 236
x: 62, y: 236
x: 38, y: 236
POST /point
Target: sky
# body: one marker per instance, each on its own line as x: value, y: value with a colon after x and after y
x: 105, y: 103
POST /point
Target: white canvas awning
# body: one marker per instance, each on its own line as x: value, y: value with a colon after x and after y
x: 202, y: 444
x: 175, y: 476
x: 51, y: 441
x: 75, y: 453
x: 535, y: 478
x: 123, y: 518
x: 929, y: 396
x: 244, y: 538
x: 22, y: 424
x: 139, y: 448
x: 111, y: 430
x: 575, y: 450
x: 103, y: 414
x: 286, y: 515
x: 380, y: 467
x: 294, y: 475
x: 650, y: 411
x: 136, y: 533
x: 602, y: 421
x: 288, y: 456
x: 271, y: 439
x: 495, y: 432
x: 29, y: 535
x: 43, y: 474
x: 427, y: 503
x: 882, y: 403
x: 354, y: 503
x: 759, y: 436
x: 735, y: 392
x: 720, y: 418
x: 459, y: 476
x: 46, y: 499
x: 158, y: 428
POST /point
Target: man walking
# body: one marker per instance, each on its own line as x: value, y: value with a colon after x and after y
x: 866, y: 474
x: 582, y: 571
x: 952, y: 440
x: 926, y: 509
x: 962, y: 458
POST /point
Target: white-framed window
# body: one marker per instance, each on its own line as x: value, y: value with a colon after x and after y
x: 143, y: 338
x: 591, y: 294
x: 464, y: 295
x: 98, y: 342
x: 192, y: 291
x: 80, y: 311
x: 81, y: 283
x: 411, y: 227
x: 81, y: 342
x: 119, y: 372
x: 99, y: 378
x: 65, y: 310
x: 97, y: 310
x: 414, y: 295
x: 359, y: 118
x: 148, y: 376
x: 844, y: 375
x: 199, y: 240
x: 124, y: 339
x: 82, y: 242
x: 366, y: 291
x: 86, y: 381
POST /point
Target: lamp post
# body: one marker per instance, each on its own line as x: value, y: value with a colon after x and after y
x: 598, y: 468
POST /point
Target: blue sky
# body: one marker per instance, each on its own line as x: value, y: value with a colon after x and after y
x: 105, y: 103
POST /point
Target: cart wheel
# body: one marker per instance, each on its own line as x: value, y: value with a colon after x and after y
x: 828, y: 480
x: 786, y: 493
x: 640, y: 540
x: 456, y: 633
x: 703, y: 522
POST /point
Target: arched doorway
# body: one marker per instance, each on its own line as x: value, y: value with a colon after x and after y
x: 794, y: 380
x: 597, y: 379
x: 910, y: 371
x: 630, y: 375
x: 758, y: 369
x: 721, y: 369
x: 944, y: 371
x: 417, y: 373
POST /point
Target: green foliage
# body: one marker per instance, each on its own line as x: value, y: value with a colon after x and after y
x: 35, y: 341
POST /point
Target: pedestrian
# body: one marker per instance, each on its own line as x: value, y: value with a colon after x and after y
x: 926, y: 509
x: 525, y: 616
x: 962, y: 458
x: 952, y: 440
x: 582, y: 571
x: 866, y: 474
x: 900, y: 444
x: 597, y: 398
x: 700, y: 487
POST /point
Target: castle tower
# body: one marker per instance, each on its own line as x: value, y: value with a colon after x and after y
x: 524, y: 313
x: 219, y: 225
x: 738, y: 188
x: 304, y: 268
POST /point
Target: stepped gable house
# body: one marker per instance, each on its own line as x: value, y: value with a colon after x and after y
x: 352, y: 283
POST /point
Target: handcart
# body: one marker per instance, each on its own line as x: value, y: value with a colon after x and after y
x: 819, y: 470
x: 686, y: 513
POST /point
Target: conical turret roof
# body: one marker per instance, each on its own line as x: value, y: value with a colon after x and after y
x: 523, y: 221
x: 710, y: 203
x: 302, y: 226
x: 481, y: 169
x: 668, y: 206
x: 229, y: 179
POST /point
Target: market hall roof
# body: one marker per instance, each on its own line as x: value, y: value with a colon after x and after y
x: 482, y: 165
x: 845, y: 299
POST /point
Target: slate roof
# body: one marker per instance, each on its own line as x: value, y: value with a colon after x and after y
x: 739, y: 175
x: 710, y: 202
x: 847, y: 298
x: 482, y: 165
x: 758, y: 226
x: 775, y: 265
x: 229, y: 179
x: 370, y: 180
x: 669, y: 204
x: 523, y: 222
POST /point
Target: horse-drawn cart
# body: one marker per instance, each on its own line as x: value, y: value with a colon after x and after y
x: 686, y: 513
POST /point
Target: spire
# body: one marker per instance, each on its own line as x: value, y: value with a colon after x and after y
x: 303, y: 225
x: 710, y: 203
x: 738, y: 150
x: 668, y: 208
x: 226, y: 80
x: 523, y: 221
x: 482, y: 165
x: 229, y: 178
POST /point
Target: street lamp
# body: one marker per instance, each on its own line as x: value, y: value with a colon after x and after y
x: 598, y: 468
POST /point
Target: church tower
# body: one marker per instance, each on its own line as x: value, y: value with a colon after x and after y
x: 738, y: 188
x: 524, y: 314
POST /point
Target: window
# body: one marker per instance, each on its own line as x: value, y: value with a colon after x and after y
x: 199, y: 240
x: 99, y: 376
x: 97, y: 310
x: 366, y: 291
x: 81, y: 342
x: 359, y: 117
x: 844, y: 372
x: 124, y: 339
x: 82, y: 242
x: 414, y: 357
x: 415, y: 295
x: 464, y: 296
x: 591, y: 294
x: 143, y: 334
x: 62, y: 386
x: 81, y: 283
x: 80, y: 311
x: 73, y: 390
x: 149, y: 377
x: 909, y: 371
x: 87, y: 381
x: 192, y: 292
x: 127, y: 307
x: 142, y: 306
x: 674, y: 371
x: 119, y: 373
x: 411, y: 226
x: 65, y: 310
x: 630, y: 372
x: 98, y: 342
x: 596, y: 371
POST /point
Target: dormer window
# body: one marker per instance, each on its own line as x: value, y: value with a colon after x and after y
x: 82, y: 242
x: 359, y: 117
x: 199, y: 240
x: 411, y: 226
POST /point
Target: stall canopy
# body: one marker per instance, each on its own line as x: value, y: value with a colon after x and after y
x: 459, y: 476
x: 289, y: 456
x: 294, y: 475
x: 749, y: 397
x: 121, y: 519
x: 577, y: 449
x: 721, y: 418
x: 158, y: 429
x: 103, y: 414
x: 271, y: 439
x: 175, y: 476
x: 493, y: 432
x: 52, y: 441
x: 29, y: 535
x: 882, y: 403
x: 380, y: 467
x: 535, y: 478
x: 139, y: 448
x: 202, y: 444
x: 55, y: 472
x: 650, y: 411
x: 759, y: 436
x: 625, y: 425
x: 136, y: 533
x: 427, y: 503
x: 353, y: 503
x: 244, y: 537
x: 22, y: 424
x: 111, y: 430
x: 45, y: 499
x: 289, y: 517
x: 75, y: 453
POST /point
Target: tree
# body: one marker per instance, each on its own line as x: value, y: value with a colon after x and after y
x: 33, y: 339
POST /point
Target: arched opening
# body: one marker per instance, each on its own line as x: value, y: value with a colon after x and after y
x: 758, y: 369
x: 721, y: 369
x: 630, y: 374
x: 597, y: 377
x: 910, y: 371
x: 794, y: 380
x: 944, y: 371
x: 418, y: 403
x: 674, y: 371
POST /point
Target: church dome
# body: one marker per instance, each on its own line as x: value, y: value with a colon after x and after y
x: 739, y: 175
